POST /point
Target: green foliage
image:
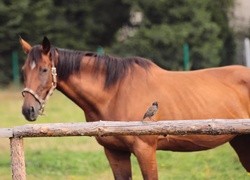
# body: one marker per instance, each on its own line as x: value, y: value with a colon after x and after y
x: 9, y: 29
x: 167, y: 25
x: 219, y: 10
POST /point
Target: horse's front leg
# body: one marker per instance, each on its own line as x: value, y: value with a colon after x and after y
x: 145, y: 152
x: 120, y: 163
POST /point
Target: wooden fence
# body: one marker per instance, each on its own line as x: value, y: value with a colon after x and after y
x: 108, y: 128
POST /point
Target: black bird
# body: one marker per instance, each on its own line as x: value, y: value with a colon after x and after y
x: 152, y: 110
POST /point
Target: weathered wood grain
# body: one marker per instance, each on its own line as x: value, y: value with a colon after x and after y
x: 113, y: 128
x: 17, y: 159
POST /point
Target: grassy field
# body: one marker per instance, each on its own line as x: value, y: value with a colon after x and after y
x: 75, y: 158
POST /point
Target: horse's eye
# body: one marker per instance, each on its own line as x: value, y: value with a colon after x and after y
x: 44, y: 70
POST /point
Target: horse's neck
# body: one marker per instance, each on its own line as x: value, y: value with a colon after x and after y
x: 87, y: 91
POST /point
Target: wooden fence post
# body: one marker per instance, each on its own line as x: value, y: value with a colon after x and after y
x: 17, y: 159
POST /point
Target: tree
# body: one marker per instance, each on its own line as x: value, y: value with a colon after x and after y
x: 86, y: 24
x: 220, y: 10
x: 11, y: 16
x: 167, y: 25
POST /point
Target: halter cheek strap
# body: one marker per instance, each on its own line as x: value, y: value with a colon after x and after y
x: 36, y: 96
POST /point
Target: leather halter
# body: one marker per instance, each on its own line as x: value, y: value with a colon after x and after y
x: 36, y: 96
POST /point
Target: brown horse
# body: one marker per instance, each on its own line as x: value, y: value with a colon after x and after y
x: 111, y: 88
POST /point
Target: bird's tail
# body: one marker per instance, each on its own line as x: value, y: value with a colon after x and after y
x: 143, y: 119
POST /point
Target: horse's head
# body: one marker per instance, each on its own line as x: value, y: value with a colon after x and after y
x: 39, y: 78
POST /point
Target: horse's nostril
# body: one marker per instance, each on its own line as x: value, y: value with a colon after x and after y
x: 32, y: 110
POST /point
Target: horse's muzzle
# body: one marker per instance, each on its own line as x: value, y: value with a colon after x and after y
x: 30, y: 112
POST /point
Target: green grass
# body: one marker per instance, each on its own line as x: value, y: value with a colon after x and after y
x: 75, y: 158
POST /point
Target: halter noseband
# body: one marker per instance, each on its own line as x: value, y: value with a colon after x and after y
x: 53, y: 87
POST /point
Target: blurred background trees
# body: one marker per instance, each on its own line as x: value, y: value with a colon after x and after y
x: 167, y: 25
x: 152, y: 29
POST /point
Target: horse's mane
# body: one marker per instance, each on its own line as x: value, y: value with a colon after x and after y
x: 117, y: 68
x: 69, y: 62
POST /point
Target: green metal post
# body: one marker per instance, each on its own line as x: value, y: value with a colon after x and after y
x: 186, y: 56
x: 100, y: 50
x: 15, y: 70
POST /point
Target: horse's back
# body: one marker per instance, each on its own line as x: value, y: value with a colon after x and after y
x: 209, y: 93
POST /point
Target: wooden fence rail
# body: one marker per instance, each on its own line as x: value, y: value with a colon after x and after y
x: 135, y: 128
x: 113, y: 128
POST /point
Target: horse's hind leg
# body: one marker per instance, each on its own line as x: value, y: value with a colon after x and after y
x: 241, y: 145
x: 120, y: 163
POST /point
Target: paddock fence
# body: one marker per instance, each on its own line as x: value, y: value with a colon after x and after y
x: 115, y: 128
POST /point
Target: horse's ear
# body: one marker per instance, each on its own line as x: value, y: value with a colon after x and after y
x: 26, y: 46
x: 46, y: 45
